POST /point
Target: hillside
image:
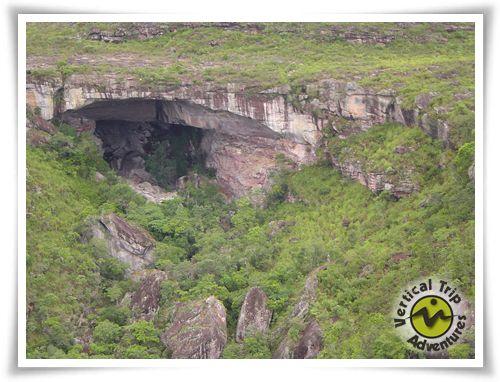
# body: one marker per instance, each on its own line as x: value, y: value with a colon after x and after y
x: 274, y: 185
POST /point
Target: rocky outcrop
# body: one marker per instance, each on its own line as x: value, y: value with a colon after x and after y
x: 38, y: 130
x: 254, y: 317
x: 132, y: 245
x: 310, y: 340
x: 128, y: 31
x: 151, y: 191
x: 377, y: 182
x: 296, y: 115
x: 308, y: 346
x: 145, y: 301
x: 244, y: 131
x: 198, y: 330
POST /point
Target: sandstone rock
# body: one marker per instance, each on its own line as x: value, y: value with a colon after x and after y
x: 244, y: 131
x: 254, y: 317
x: 146, y: 299
x: 310, y: 343
x: 37, y: 138
x: 403, y: 149
x: 366, y: 270
x: 422, y: 101
x: 308, y: 295
x: 134, y: 31
x: 99, y: 177
x: 435, y: 128
x: 38, y: 123
x: 152, y: 192
x: 127, y: 243
x: 198, y: 330
x: 400, y: 256
x: 377, y: 182
x: 182, y: 182
x: 310, y: 340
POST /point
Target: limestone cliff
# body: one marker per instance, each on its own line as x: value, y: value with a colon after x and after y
x: 245, y: 131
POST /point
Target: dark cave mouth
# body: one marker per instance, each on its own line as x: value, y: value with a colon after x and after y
x: 154, y: 152
x: 161, y: 142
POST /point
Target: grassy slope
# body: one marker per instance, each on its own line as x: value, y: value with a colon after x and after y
x: 422, y: 58
x: 335, y: 220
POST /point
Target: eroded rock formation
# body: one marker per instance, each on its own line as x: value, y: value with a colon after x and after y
x: 243, y: 131
x: 310, y: 339
x: 310, y: 342
x: 132, y: 245
x: 255, y: 316
x: 397, y: 186
x: 145, y: 301
x: 198, y: 330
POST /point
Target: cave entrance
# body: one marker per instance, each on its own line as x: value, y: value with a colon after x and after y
x: 154, y: 152
x: 155, y: 142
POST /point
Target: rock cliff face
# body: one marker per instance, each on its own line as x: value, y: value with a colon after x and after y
x: 127, y: 243
x: 145, y: 301
x: 198, y: 330
x: 243, y: 131
x: 254, y: 317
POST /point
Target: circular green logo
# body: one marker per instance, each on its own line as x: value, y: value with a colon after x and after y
x: 431, y: 316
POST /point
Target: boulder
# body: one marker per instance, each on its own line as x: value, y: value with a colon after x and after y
x: 254, y: 317
x: 183, y: 181
x: 130, y: 244
x: 198, y: 330
x: 99, y: 177
x: 276, y: 226
x: 145, y: 301
x: 151, y: 192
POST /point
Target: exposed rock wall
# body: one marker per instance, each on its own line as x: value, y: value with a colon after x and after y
x: 198, y: 330
x: 376, y: 182
x: 247, y: 129
x: 255, y: 316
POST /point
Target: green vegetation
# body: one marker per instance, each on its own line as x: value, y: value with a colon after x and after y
x: 75, y: 288
x: 173, y: 156
x: 399, y: 152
